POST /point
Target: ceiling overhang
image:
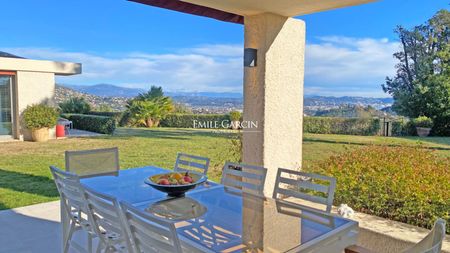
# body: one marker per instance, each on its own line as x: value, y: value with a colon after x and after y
x: 235, y: 10
x: 194, y: 9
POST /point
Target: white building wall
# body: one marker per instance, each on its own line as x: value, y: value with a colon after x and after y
x: 32, y: 88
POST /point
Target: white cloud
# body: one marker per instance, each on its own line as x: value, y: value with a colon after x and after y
x: 355, y: 65
x: 207, y: 68
x: 334, y: 66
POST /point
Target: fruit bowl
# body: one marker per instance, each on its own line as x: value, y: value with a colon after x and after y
x: 175, y: 184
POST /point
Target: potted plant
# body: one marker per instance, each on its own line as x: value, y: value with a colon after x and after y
x: 39, y: 118
x: 423, y: 125
x: 235, y: 118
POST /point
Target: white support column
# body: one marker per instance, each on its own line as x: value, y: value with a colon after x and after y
x: 273, y: 94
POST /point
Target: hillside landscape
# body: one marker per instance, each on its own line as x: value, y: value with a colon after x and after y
x: 116, y: 97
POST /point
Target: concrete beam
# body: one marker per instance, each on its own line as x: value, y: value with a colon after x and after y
x: 273, y: 94
x: 58, y: 68
x: 288, y: 8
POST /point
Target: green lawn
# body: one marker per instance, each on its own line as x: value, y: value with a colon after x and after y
x: 25, y: 178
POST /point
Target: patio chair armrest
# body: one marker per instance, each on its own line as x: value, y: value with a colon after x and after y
x: 357, y: 249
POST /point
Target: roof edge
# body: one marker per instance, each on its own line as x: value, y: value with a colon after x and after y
x: 194, y: 9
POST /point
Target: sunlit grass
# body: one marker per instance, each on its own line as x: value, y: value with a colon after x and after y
x: 25, y: 178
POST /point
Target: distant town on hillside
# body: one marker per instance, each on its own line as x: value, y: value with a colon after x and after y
x: 116, y: 97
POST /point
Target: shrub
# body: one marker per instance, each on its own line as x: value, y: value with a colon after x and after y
x: 116, y: 115
x: 39, y: 116
x: 149, y: 108
x: 403, y: 127
x: 126, y: 119
x: 75, y: 105
x: 235, y: 116
x: 187, y: 120
x: 423, y: 121
x: 93, y: 123
x: 352, y: 126
x: 441, y: 126
x: 405, y: 184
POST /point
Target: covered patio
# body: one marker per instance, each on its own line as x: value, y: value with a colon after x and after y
x: 274, y: 53
x: 273, y: 63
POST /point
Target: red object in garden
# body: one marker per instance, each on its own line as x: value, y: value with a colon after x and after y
x: 60, y: 131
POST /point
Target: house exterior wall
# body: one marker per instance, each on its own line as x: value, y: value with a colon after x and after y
x: 34, y: 83
x: 32, y: 88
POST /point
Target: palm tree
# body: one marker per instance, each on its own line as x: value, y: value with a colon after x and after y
x: 150, y: 107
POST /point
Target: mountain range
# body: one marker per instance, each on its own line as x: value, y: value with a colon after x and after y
x: 110, y: 90
x: 208, y: 102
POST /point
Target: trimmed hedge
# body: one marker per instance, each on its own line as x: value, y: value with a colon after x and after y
x: 405, y: 184
x: 351, y: 126
x: 403, y: 128
x: 116, y: 115
x: 93, y: 123
x: 319, y: 125
x: 187, y: 120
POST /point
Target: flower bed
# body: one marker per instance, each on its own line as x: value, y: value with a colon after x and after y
x: 410, y: 185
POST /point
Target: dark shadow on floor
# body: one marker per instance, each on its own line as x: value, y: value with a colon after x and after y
x: 21, y: 182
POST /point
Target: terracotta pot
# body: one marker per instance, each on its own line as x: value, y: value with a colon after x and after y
x: 39, y: 135
x: 423, y: 131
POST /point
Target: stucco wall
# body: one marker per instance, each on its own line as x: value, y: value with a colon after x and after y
x: 33, y: 88
x: 273, y: 94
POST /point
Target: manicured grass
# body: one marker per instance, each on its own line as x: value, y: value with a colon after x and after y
x: 25, y: 178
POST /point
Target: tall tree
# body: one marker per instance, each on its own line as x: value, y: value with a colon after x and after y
x: 421, y: 86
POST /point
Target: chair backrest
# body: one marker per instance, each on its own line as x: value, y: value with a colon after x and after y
x: 432, y: 243
x: 95, y: 162
x: 187, y: 162
x: 70, y: 191
x: 310, y: 188
x: 105, y: 216
x: 149, y: 233
x: 245, y: 177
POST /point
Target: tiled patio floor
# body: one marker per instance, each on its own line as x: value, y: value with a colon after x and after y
x: 71, y: 133
x: 36, y: 229
x: 31, y: 229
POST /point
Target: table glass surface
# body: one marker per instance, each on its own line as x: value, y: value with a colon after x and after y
x: 224, y: 219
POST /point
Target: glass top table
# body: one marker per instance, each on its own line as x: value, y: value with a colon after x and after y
x: 216, y: 218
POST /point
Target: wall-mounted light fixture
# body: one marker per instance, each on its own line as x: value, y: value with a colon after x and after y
x: 250, y: 59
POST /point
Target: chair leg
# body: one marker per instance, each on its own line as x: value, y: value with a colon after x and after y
x: 89, y: 242
x: 69, y: 237
x: 99, y: 247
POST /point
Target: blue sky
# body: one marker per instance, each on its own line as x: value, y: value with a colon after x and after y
x: 349, y: 51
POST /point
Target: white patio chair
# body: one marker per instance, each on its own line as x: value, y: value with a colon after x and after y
x: 432, y: 243
x: 149, y: 233
x: 194, y: 163
x: 95, y: 162
x: 74, y: 206
x: 306, y: 189
x: 245, y: 177
x: 107, y: 222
